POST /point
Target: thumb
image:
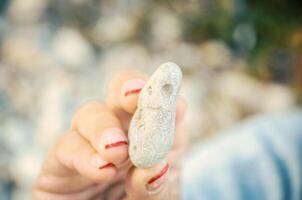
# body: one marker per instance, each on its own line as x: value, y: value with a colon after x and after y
x: 148, y: 184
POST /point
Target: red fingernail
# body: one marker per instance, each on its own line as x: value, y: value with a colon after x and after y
x: 161, y: 173
x: 113, y: 137
x: 132, y: 86
x: 132, y: 92
x: 107, y: 165
x: 116, y: 144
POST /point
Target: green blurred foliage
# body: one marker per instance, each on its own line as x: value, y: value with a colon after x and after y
x: 277, y: 25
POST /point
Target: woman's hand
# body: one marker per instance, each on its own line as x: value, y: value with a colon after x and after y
x: 90, y: 160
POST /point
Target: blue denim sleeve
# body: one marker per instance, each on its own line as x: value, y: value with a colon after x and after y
x: 260, y: 159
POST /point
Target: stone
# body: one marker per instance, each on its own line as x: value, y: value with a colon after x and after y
x: 72, y: 49
x: 151, y: 130
x: 216, y: 54
x: 165, y: 28
x: 23, y: 12
x: 109, y: 28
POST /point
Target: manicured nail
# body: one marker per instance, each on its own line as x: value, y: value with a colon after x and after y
x: 106, y: 166
x: 113, y: 137
x: 99, y: 163
x: 132, y: 86
x: 156, y: 181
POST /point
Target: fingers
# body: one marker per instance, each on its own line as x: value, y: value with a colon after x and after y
x: 148, y: 183
x: 73, y: 161
x: 181, y: 108
x: 76, y: 153
x: 180, y: 137
x: 123, y: 91
x: 87, y: 193
x: 101, y: 128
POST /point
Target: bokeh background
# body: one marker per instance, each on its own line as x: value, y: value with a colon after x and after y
x: 239, y: 58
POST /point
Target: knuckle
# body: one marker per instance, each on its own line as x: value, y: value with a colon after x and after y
x: 86, y: 109
x: 65, y: 145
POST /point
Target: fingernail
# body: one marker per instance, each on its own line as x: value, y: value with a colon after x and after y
x: 113, y: 137
x: 99, y: 163
x: 132, y: 86
x: 156, y: 181
x: 107, y: 165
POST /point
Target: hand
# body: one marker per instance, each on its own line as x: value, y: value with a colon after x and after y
x: 90, y: 160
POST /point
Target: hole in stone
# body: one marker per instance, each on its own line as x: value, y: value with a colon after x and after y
x: 167, y: 89
x: 141, y: 126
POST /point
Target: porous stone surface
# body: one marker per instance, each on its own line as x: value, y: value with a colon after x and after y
x: 151, y: 130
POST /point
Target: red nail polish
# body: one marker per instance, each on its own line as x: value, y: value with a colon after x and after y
x: 116, y: 144
x: 132, y: 92
x: 106, y: 166
x: 161, y: 173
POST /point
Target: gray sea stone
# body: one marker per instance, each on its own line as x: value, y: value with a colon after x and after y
x: 151, y: 130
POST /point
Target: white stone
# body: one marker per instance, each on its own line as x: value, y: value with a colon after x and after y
x: 165, y: 29
x: 115, y: 28
x: 151, y: 130
x: 216, y: 54
x: 26, y: 11
x: 72, y: 49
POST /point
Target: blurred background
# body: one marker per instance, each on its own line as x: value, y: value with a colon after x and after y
x: 240, y: 58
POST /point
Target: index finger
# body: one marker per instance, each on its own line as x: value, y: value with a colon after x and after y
x: 124, y: 89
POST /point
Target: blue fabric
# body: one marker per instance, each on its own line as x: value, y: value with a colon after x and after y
x: 260, y: 159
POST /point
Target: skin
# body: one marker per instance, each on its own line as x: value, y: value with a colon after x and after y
x: 68, y: 172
